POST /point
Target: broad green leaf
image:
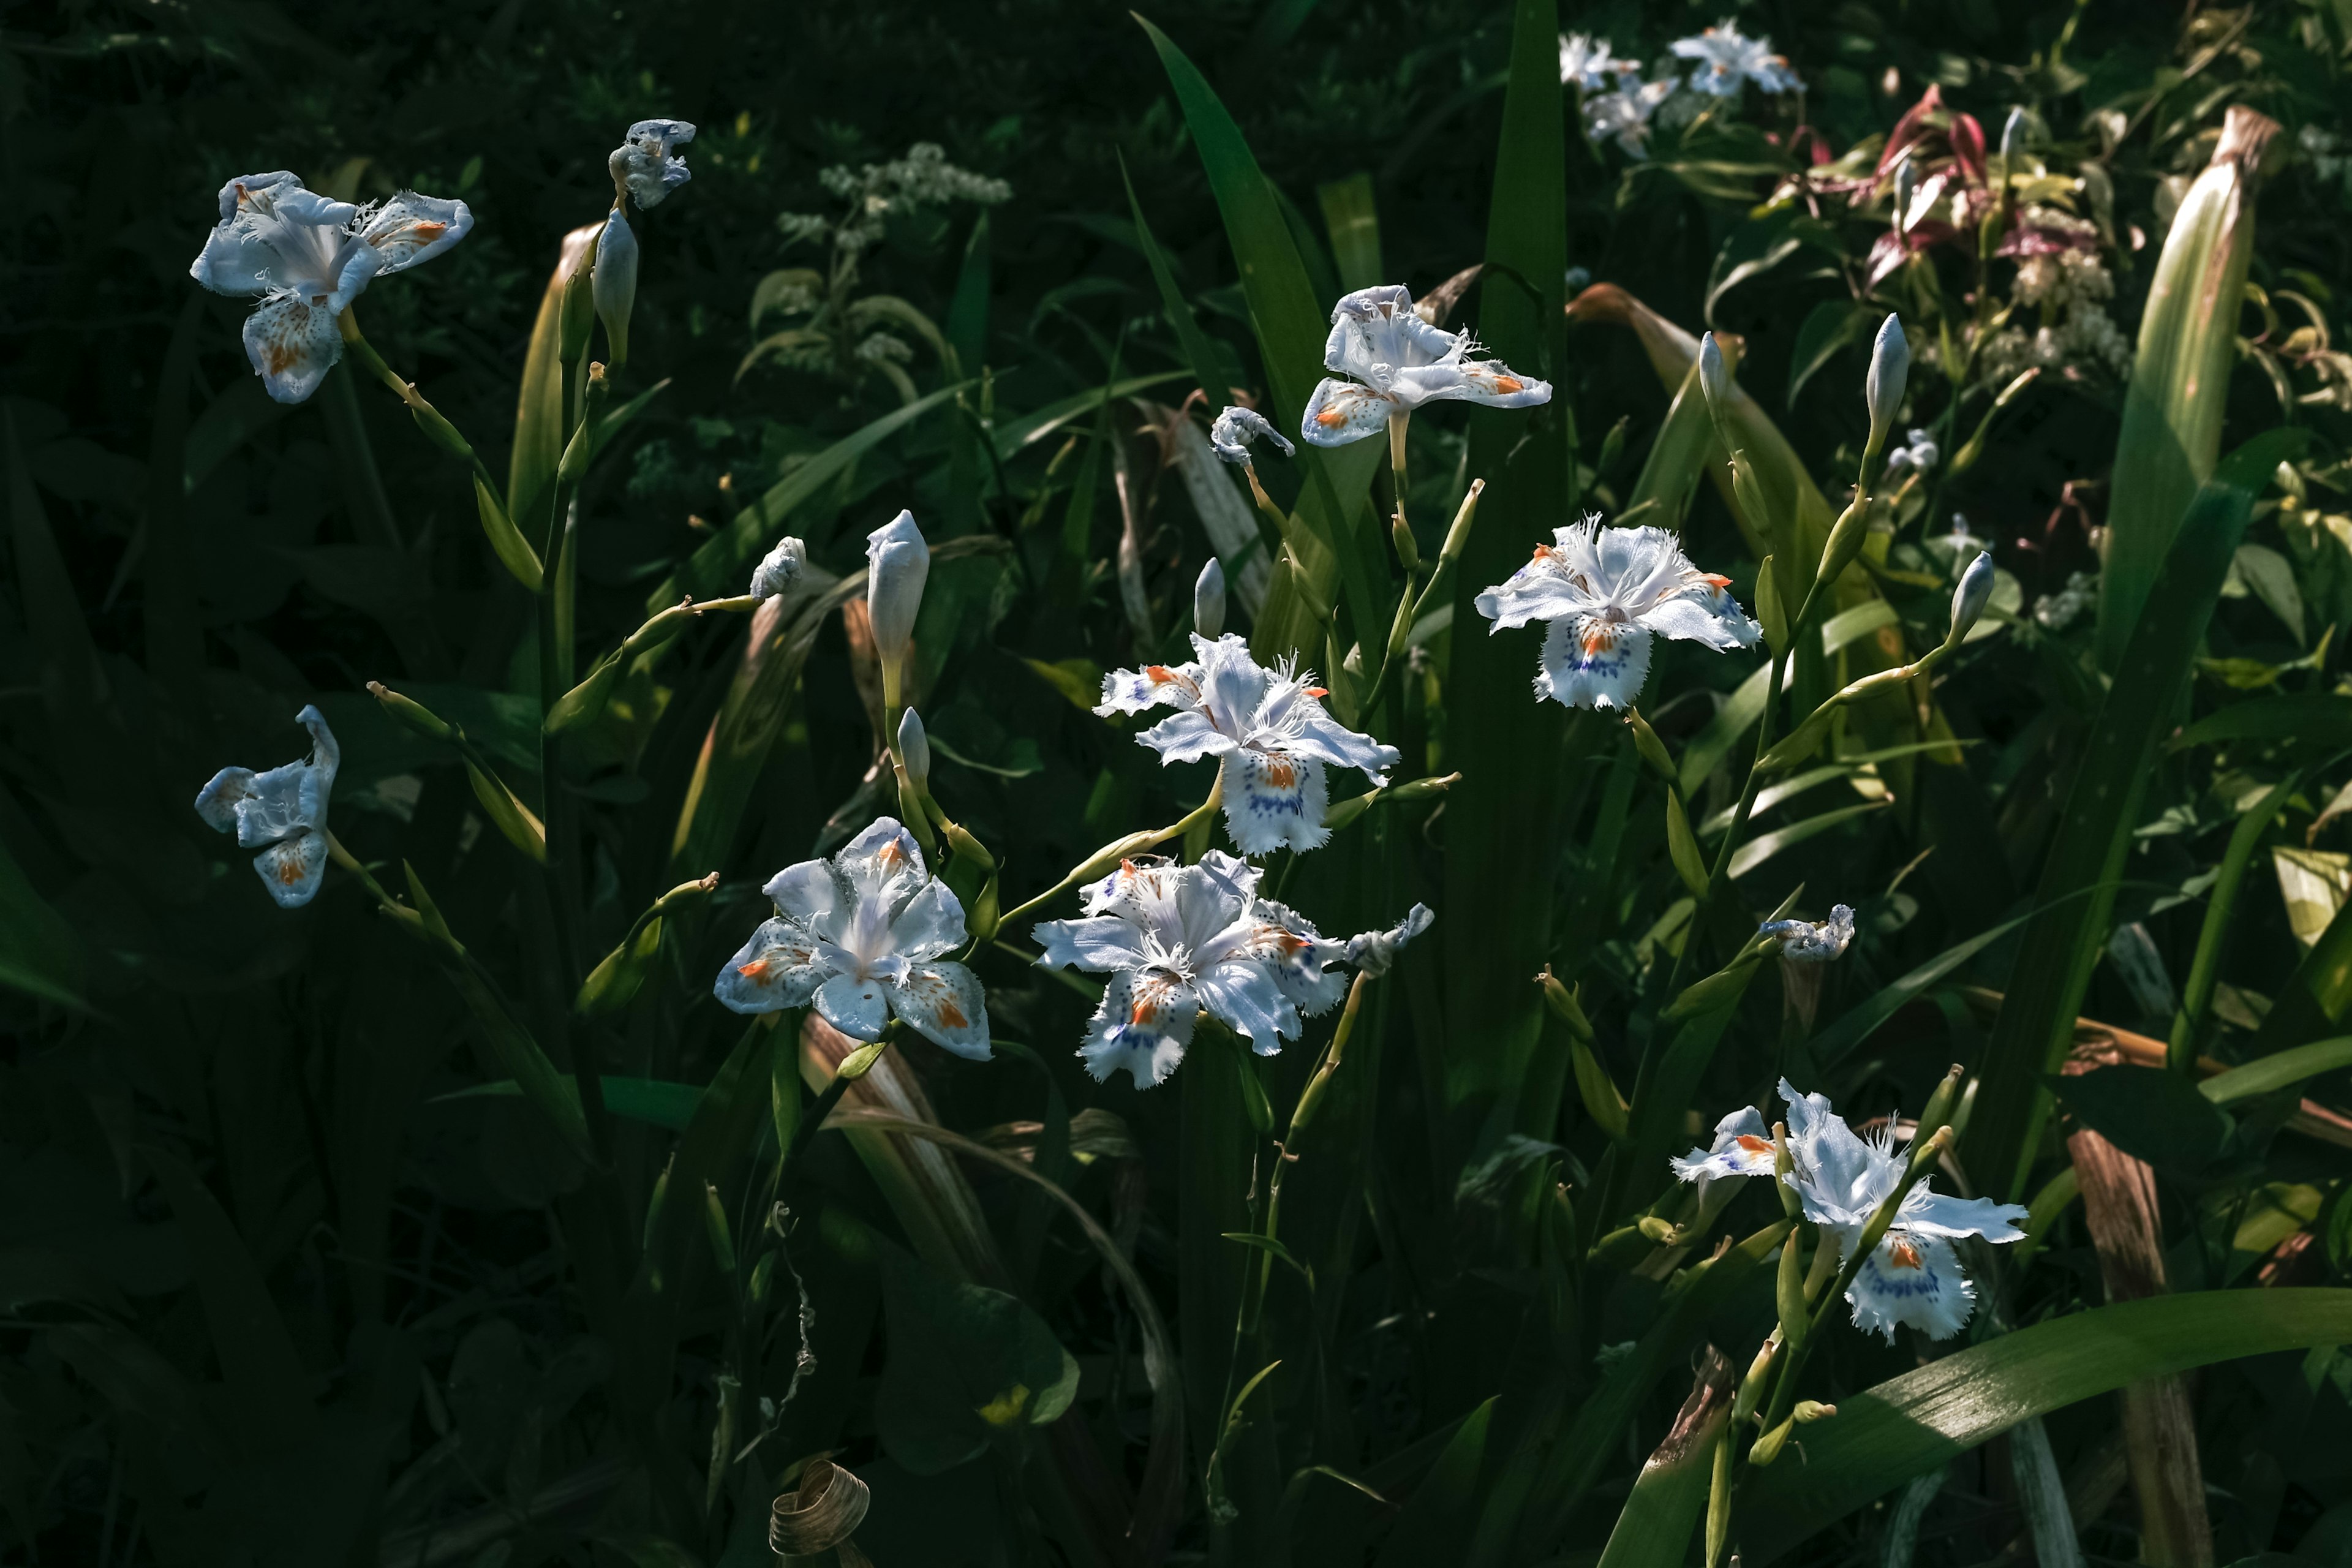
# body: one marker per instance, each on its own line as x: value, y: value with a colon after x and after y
x: 1832, y: 1044
x: 2148, y: 1113
x: 2267, y: 1075
x: 540, y: 424
x: 1653, y: 1529
x: 2312, y: 885
x: 1444, y: 1506
x: 1763, y: 847
x: 2316, y: 720
x: 1352, y: 217
x: 2065, y: 938
x: 2173, y: 404
x: 1832, y: 327
x: 1015, y: 435
x: 1198, y: 354
x: 2317, y: 994
x: 1908, y: 1425
x: 967, y: 1365
x: 1685, y: 449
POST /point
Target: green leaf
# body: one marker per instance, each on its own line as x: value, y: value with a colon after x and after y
x: 39, y: 953
x: 1275, y: 1249
x: 2318, y: 720
x: 1200, y: 355
x: 1682, y: 847
x: 656, y: 1102
x: 540, y: 424
x: 1832, y: 327
x: 1910, y: 1425
x: 1685, y: 448
x: 723, y: 564
x: 1757, y: 851
x: 1013, y: 435
x: 2148, y: 1113
x: 1832, y: 1045
x: 2267, y: 1075
x: 967, y: 1365
x: 1352, y: 216
x: 269, y: 1390
x: 1670, y: 1493
x: 1440, y: 1510
x: 2063, y: 941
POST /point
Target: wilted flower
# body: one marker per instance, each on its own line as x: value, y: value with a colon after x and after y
x: 1605, y: 591
x: 307, y: 259
x: 1728, y: 60
x: 778, y: 569
x: 282, y: 813
x: 897, y: 562
x: 1913, y: 1276
x: 859, y: 937
x: 1812, y: 941
x: 1176, y: 939
x: 1209, y: 599
x: 1400, y: 362
x: 647, y: 164
x: 1375, y: 951
x: 1587, y: 63
x: 1235, y: 428
x: 1269, y: 727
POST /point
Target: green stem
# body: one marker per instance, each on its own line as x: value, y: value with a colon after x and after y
x: 1110, y: 855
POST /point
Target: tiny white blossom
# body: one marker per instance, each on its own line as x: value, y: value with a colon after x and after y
x: 1235, y: 428
x: 1269, y: 728
x: 1605, y: 592
x: 1920, y: 456
x: 778, y: 569
x: 1397, y: 362
x: 1728, y: 60
x: 859, y: 938
x: 282, y: 813
x: 1913, y: 1276
x: 647, y: 164
x: 307, y: 258
x: 2056, y: 612
x: 1624, y: 115
x: 1812, y: 941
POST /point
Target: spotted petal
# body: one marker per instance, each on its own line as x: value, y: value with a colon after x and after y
x: 292, y: 868
x: 1342, y: 412
x: 1287, y: 944
x: 411, y: 229
x: 931, y: 923
x: 1592, y: 663
x: 292, y: 345
x: 216, y: 802
x: 1914, y: 1279
x: 1154, y: 686
x: 1143, y: 1025
x: 1272, y: 801
x: 945, y: 1004
x: 1542, y: 590
x: 857, y: 1007
x: 1243, y: 996
x: 1742, y: 1147
x: 778, y: 968
x: 1458, y: 379
x: 1704, y: 612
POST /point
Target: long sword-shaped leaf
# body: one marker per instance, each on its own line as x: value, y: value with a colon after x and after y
x: 2179, y: 384
x: 2065, y: 939
x: 1908, y: 1425
x: 1502, y: 825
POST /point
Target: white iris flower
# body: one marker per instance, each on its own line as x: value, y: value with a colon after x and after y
x: 1605, y: 592
x: 1269, y: 728
x: 1397, y: 362
x: 859, y: 938
x: 1728, y: 60
x: 307, y: 258
x: 282, y: 813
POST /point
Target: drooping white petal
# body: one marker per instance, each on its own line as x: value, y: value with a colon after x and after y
x: 944, y: 1004
x: 1299, y: 956
x: 1273, y: 801
x: 1592, y: 663
x: 1312, y: 731
x: 411, y: 229
x: 1914, y: 1279
x: 292, y: 345
x: 1143, y: 1025
x: 1376, y: 332
x: 216, y: 802
x: 1242, y: 995
x: 1186, y: 738
x: 1542, y: 590
x: 292, y: 868
x: 857, y: 1007
x: 1705, y: 612
x: 930, y: 924
x: 1342, y: 412
x: 1134, y: 691
x: 1098, y: 943
x: 1742, y: 1147
x: 1375, y: 951
x: 778, y: 968
x: 1457, y: 378
x: 1926, y: 1213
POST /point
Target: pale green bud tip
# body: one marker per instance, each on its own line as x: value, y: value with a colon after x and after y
x: 897, y: 564
x: 1969, y: 599
x: 1890, y: 368
x: 2012, y: 133
x: 1712, y: 378
x: 1209, y: 599
x: 914, y: 747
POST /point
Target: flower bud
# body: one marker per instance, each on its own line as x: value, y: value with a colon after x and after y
x: 1810, y: 1410
x: 897, y: 563
x: 1969, y: 598
x: 1890, y: 367
x: 2012, y: 136
x: 1940, y: 1103
x: 615, y: 283
x: 1846, y: 539
x: 1457, y: 538
x: 915, y: 748
x: 1408, y: 548
x: 410, y: 713
x: 1907, y: 184
x: 1209, y: 599
x: 1653, y: 749
x: 1713, y: 379
x: 1656, y: 1227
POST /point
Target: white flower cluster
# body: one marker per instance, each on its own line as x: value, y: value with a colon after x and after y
x: 2056, y: 612
x: 2070, y: 287
x: 922, y: 178
x: 1620, y: 105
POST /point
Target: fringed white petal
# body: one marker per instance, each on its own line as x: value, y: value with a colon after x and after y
x: 1592, y: 663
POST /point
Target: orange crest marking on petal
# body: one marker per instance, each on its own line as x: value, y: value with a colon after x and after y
x: 1545, y: 552
x: 1332, y: 414
x: 753, y: 970
x: 952, y: 1015
x: 1508, y: 383
x: 1280, y: 774
x: 1902, y: 1254
x: 1754, y: 1145
x: 890, y: 853
x: 1161, y: 675
x: 1711, y: 577
x: 1315, y: 690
